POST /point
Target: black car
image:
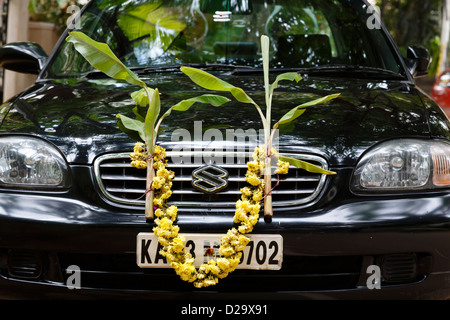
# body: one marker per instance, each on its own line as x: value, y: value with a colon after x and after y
x: 72, y: 219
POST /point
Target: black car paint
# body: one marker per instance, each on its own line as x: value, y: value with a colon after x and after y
x: 74, y: 115
x: 79, y: 118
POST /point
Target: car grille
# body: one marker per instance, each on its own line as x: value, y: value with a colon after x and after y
x: 306, y: 273
x: 125, y: 186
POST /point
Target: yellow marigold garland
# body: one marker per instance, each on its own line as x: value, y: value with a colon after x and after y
x: 232, y: 244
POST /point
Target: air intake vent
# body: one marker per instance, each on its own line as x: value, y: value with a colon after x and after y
x: 125, y: 185
x: 399, y: 267
x: 25, y: 264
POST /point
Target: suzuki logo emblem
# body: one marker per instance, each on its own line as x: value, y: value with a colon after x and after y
x: 210, y: 179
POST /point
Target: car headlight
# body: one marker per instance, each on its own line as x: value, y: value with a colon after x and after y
x: 403, y: 165
x: 31, y: 163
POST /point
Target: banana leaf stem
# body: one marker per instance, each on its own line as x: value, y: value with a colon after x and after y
x: 149, y: 212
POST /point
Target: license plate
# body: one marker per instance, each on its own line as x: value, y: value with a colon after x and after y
x: 263, y: 252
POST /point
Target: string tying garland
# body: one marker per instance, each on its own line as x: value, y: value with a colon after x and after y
x: 232, y: 244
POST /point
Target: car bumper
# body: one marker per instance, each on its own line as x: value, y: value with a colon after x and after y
x: 326, y: 253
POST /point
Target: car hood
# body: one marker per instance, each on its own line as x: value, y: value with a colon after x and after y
x: 79, y: 116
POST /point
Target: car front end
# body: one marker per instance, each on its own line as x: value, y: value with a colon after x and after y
x: 72, y: 219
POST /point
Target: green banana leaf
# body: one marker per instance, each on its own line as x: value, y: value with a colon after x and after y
x: 265, y: 44
x: 212, y: 99
x: 146, y: 125
x: 151, y: 118
x: 141, y: 97
x: 184, y: 105
x: 146, y: 20
x: 210, y: 82
x: 298, y: 111
x: 100, y: 56
x: 305, y: 165
x: 131, y: 126
x: 291, y: 76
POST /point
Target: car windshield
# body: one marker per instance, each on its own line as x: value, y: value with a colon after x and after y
x: 161, y: 34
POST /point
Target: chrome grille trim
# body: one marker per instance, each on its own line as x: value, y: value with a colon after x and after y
x: 117, y: 165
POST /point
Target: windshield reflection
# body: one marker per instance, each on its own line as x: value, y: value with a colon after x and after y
x: 303, y: 34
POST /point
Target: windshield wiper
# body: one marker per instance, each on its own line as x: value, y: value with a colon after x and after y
x: 335, y: 70
x: 176, y: 67
x: 97, y: 74
x: 352, y: 69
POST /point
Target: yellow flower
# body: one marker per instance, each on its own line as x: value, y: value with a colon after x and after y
x: 158, y: 182
x: 246, y: 191
x: 226, y: 251
x: 254, y: 210
x: 166, y: 232
x: 234, y: 262
x: 206, y: 283
x: 212, y: 267
x: 170, y: 257
x: 158, y: 202
x: 253, y: 219
x: 137, y: 156
x: 223, y: 264
x: 232, y: 244
x: 139, y: 147
x: 159, y: 213
x: 254, y: 166
x: 158, y: 165
x: 186, y: 272
x: 166, y: 195
x: 241, y: 243
x: 172, y: 212
x: 258, y: 153
x: 240, y: 215
x: 257, y: 196
x: 215, y: 270
x: 160, y: 151
x: 164, y: 223
x: 283, y: 167
x: 166, y: 187
x: 178, y: 244
x: 252, y: 178
x: 163, y: 172
x: 139, y: 164
x: 245, y: 228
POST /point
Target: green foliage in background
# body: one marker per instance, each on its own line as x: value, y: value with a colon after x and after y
x: 414, y: 22
x: 53, y: 11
